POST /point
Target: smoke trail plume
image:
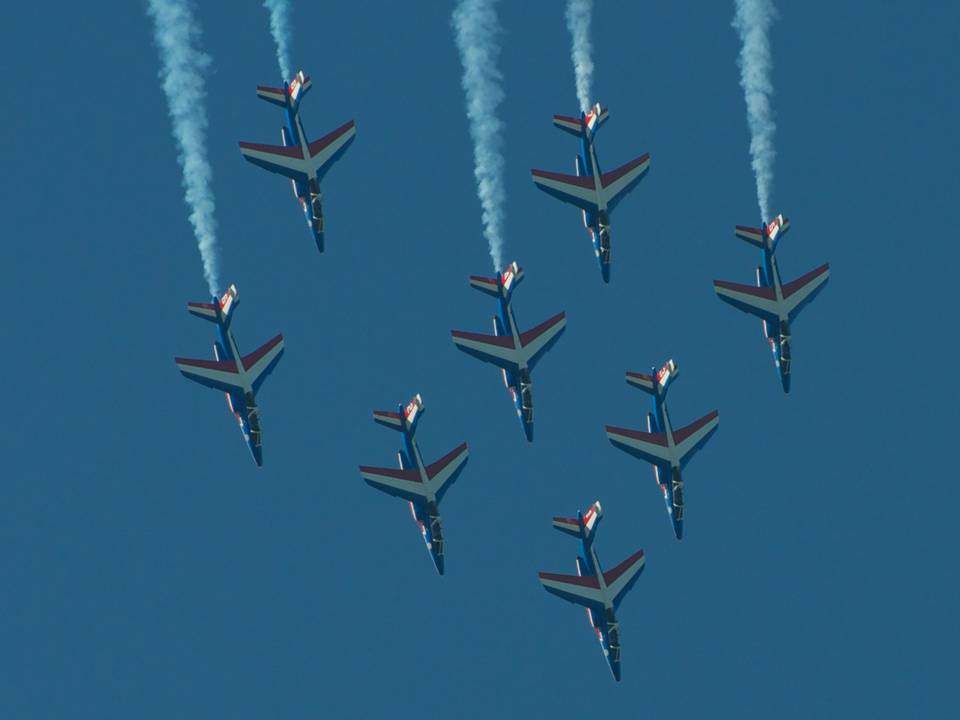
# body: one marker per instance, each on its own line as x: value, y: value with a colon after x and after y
x: 578, y: 23
x: 280, y: 29
x: 177, y: 35
x: 752, y: 22
x: 477, y: 29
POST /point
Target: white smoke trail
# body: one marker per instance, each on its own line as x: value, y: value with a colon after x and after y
x: 177, y: 35
x: 477, y: 29
x: 752, y: 21
x: 280, y: 29
x: 578, y: 23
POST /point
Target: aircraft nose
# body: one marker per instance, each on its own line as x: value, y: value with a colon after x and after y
x: 678, y: 529
x: 528, y: 431
x: 438, y: 561
x: 257, y: 456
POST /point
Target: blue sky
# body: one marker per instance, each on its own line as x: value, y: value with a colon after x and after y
x: 150, y: 570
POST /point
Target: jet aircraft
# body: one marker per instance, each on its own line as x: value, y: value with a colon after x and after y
x: 668, y: 450
x: 239, y: 377
x: 423, y: 486
x: 596, y: 193
x: 305, y: 163
x: 514, y: 352
x: 599, y: 592
x: 777, y: 305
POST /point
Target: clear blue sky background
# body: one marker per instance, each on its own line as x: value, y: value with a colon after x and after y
x: 150, y: 570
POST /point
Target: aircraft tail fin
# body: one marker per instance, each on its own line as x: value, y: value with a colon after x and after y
x: 508, y: 279
x: 584, y: 526
x: 594, y: 119
x: 292, y: 91
x: 219, y: 311
x: 404, y: 420
x: 657, y: 382
x: 765, y: 236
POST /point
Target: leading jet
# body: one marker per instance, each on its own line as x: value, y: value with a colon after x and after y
x: 514, y: 352
x: 596, y: 193
x: 239, y: 377
x: 423, y: 486
x: 304, y: 162
x: 599, y: 592
x: 668, y: 450
x: 777, y: 305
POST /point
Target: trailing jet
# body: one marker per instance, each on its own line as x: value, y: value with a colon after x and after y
x: 239, y: 377
x: 596, y: 193
x: 599, y: 592
x: 777, y: 305
x: 305, y: 163
x: 423, y: 486
x: 514, y: 352
x: 668, y: 450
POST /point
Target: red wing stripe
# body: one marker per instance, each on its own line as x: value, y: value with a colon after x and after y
x: 652, y: 438
x: 531, y: 335
x: 293, y: 151
x: 434, y: 468
x: 749, y: 230
x: 250, y: 360
x: 205, y: 306
x: 229, y: 367
x: 614, y: 175
x: 584, y: 181
x: 587, y: 581
x: 564, y: 118
x: 683, y: 433
x: 791, y: 287
x: 640, y: 376
x: 383, y: 413
x: 408, y: 475
x: 266, y: 88
x: 317, y: 145
x: 481, y: 278
x: 760, y: 292
x: 610, y: 576
x: 500, y: 340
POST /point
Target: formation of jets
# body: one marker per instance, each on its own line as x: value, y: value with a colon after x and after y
x: 515, y: 352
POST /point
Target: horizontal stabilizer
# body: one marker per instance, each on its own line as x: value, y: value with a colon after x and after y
x: 584, y: 525
x: 572, y: 125
x: 274, y: 96
x: 220, y: 310
x: 657, y: 383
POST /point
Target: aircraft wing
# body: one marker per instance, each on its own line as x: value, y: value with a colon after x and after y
x: 445, y: 471
x: 691, y: 438
x: 620, y: 579
x: 218, y: 375
x: 577, y: 190
x: 537, y: 341
x: 280, y: 159
x: 261, y: 362
x: 617, y: 183
x: 495, y: 349
x: 759, y: 301
x: 404, y: 484
x: 328, y: 149
x: 799, y: 292
x: 582, y: 590
x: 651, y: 447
